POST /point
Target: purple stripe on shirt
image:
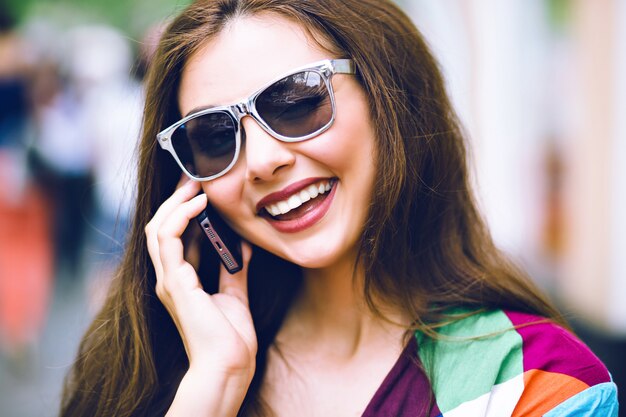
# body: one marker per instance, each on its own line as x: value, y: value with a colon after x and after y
x: 549, y: 347
x: 405, y: 391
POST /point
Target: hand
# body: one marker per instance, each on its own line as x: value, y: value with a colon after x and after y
x: 217, y: 330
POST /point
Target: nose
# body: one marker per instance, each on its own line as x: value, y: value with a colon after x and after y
x: 265, y: 156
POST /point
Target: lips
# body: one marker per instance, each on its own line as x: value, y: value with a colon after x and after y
x: 289, y: 205
x: 298, y: 206
x: 287, y: 192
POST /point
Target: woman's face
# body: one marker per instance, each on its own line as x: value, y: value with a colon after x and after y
x: 246, y: 55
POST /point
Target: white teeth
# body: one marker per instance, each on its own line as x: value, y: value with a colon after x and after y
x: 296, y: 200
x: 283, y: 207
x: 273, y: 209
x: 313, y: 191
x: 304, y: 196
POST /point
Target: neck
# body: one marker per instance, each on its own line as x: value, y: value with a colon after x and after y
x: 330, y: 314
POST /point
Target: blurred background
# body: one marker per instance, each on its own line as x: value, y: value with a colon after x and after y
x: 540, y: 86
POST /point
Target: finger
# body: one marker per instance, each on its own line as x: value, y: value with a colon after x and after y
x: 237, y: 284
x: 182, y: 194
x: 185, y: 193
x: 153, y: 250
x: 183, y: 180
x: 171, y: 250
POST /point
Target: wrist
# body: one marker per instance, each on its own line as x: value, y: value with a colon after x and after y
x: 204, y: 392
x: 199, y: 368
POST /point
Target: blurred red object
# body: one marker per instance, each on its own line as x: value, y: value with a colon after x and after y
x: 26, y: 266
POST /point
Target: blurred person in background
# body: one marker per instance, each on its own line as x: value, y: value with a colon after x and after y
x: 377, y: 292
x: 25, y: 248
x: 62, y: 152
x: 112, y: 100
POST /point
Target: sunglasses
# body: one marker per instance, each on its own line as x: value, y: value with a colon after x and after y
x: 292, y: 108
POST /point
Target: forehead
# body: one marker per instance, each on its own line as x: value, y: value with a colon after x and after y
x: 244, y: 56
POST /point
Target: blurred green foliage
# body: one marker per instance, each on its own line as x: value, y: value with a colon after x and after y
x: 560, y: 13
x: 135, y: 16
x: 131, y: 16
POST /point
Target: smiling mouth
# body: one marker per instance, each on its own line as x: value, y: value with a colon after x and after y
x: 300, y: 203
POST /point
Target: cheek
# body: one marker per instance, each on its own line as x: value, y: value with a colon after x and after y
x: 225, y: 195
x: 349, y: 145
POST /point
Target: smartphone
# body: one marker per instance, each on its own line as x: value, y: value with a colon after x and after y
x: 224, y: 240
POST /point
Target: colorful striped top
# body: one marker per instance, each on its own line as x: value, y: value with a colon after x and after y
x: 515, y: 364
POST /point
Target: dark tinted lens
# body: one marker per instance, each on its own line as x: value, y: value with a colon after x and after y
x: 297, y: 105
x: 206, y: 144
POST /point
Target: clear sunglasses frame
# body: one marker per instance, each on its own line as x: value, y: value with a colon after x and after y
x: 326, y: 69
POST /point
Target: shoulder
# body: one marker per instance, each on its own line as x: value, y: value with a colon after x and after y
x: 516, y: 363
x: 560, y: 372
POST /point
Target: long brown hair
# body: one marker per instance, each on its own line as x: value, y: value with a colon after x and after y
x: 424, y: 248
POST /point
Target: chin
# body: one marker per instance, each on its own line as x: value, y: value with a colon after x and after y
x: 315, y: 259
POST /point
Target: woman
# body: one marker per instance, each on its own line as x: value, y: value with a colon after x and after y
x: 321, y: 132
